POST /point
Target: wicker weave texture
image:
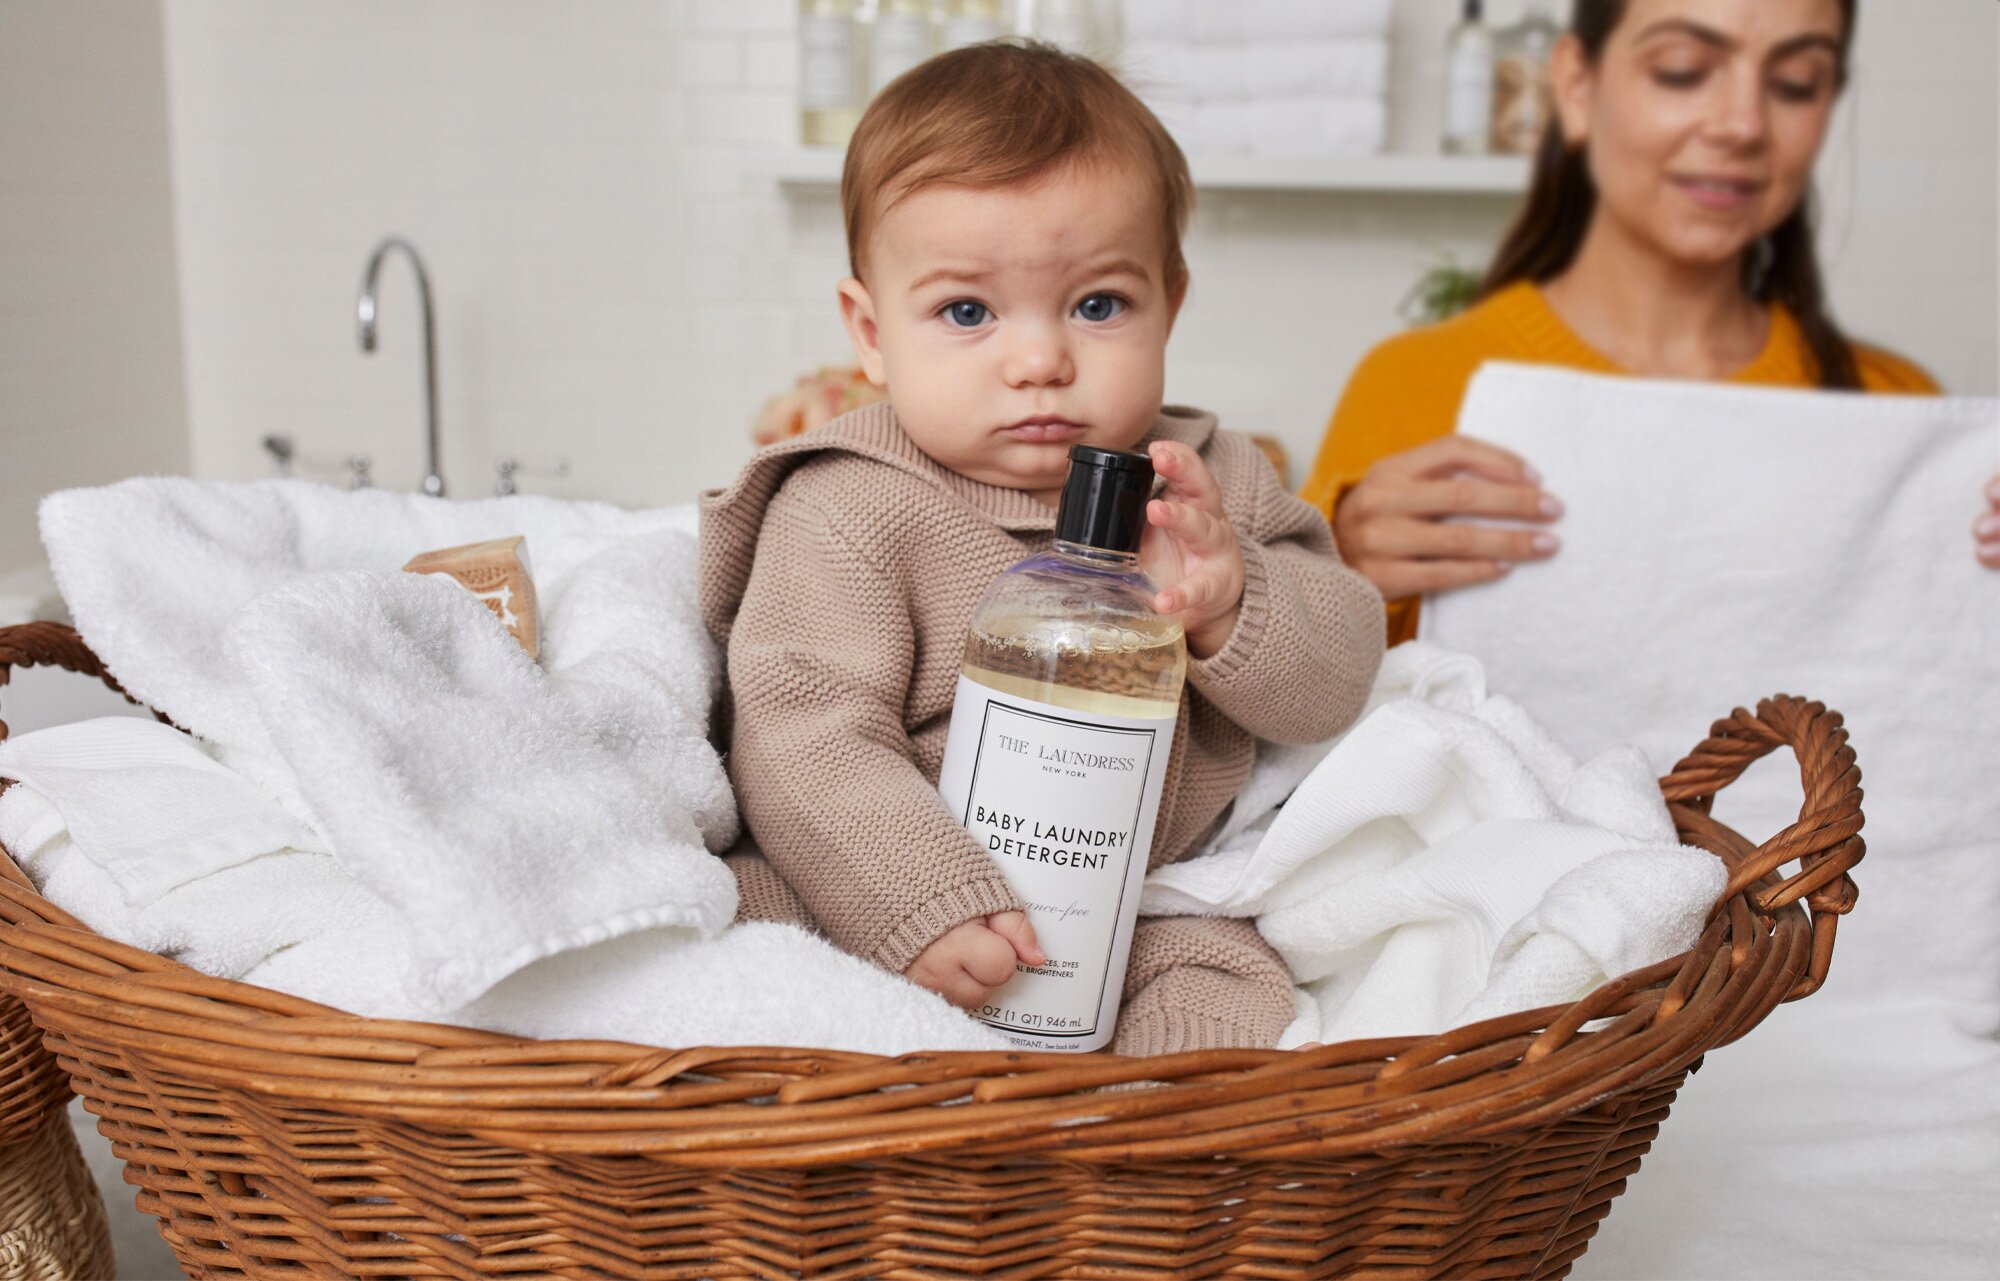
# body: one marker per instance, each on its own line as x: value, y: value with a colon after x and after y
x: 275, y: 1138
x: 52, y: 1225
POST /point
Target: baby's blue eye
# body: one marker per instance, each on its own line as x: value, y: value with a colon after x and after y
x: 966, y: 313
x: 1100, y: 307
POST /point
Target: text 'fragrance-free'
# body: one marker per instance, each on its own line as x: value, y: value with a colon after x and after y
x: 1058, y: 749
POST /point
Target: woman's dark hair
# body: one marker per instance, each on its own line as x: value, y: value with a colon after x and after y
x: 1561, y: 199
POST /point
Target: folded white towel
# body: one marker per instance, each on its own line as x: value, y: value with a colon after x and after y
x: 1288, y: 126
x: 1431, y: 870
x: 1241, y: 21
x: 506, y: 811
x: 223, y: 923
x: 1800, y: 542
x: 508, y: 814
x: 154, y: 809
x: 1305, y: 68
x: 1816, y: 544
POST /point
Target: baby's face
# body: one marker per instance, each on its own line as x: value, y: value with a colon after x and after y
x: 1011, y: 323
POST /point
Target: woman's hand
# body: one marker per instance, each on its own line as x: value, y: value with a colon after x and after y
x: 967, y: 962
x: 1191, y: 547
x: 1986, y: 530
x: 1395, y: 528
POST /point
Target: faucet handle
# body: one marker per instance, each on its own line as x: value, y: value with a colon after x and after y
x: 282, y: 450
x: 506, y: 469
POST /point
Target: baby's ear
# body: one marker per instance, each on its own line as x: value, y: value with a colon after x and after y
x: 857, y: 312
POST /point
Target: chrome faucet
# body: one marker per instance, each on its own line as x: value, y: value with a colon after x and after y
x: 433, y: 478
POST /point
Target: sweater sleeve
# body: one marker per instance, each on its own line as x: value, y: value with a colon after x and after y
x: 820, y: 661
x: 1302, y: 658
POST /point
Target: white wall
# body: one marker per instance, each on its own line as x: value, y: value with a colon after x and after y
x: 614, y: 289
x: 90, y: 356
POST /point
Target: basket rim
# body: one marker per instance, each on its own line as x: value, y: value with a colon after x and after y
x: 103, y: 1004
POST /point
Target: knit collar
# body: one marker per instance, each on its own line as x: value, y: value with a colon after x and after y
x: 1547, y: 337
x: 872, y: 431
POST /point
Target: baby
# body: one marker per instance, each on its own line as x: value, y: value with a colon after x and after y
x: 1014, y: 219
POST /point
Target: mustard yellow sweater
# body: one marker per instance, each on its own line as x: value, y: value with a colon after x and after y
x: 1407, y: 391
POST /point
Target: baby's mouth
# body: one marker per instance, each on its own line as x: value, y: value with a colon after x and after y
x: 1045, y: 429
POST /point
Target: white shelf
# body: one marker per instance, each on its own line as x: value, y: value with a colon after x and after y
x: 807, y: 168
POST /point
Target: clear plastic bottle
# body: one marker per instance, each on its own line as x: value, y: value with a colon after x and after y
x: 1468, y: 95
x: 829, y: 89
x: 1523, y: 95
x: 1065, y: 714
x: 903, y: 38
x: 973, y: 22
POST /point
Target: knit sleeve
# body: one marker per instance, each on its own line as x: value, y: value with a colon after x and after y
x: 820, y: 660
x: 1298, y: 666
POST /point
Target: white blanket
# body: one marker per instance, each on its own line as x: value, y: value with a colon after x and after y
x: 1447, y: 862
x: 507, y: 811
x: 1722, y: 545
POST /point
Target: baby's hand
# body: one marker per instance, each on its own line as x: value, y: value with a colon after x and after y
x: 1986, y: 532
x: 1190, y: 547
x: 968, y: 961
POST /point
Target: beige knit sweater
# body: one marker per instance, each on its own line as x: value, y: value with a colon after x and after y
x: 840, y: 572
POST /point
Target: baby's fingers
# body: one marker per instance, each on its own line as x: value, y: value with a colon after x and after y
x: 1194, y: 528
x: 1019, y: 931
x: 1198, y: 594
x: 1188, y: 477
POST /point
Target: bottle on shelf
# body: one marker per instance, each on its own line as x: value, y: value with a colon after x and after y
x: 1523, y: 95
x: 902, y: 38
x: 1060, y: 732
x: 829, y: 88
x: 1468, y: 95
x: 973, y: 22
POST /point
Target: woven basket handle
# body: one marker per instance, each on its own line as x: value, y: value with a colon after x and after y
x: 1825, y: 841
x: 50, y: 645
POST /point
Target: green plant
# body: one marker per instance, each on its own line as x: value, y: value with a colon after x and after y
x: 1444, y: 290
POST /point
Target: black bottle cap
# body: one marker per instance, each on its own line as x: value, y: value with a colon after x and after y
x: 1104, y: 499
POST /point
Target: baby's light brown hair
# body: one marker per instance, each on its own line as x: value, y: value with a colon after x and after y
x: 993, y: 115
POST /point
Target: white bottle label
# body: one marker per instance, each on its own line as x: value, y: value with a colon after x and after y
x: 901, y: 41
x: 1468, y: 108
x: 826, y: 62
x: 1064, y: 801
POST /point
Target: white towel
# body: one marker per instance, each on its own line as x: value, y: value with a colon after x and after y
x: 155, y: 809
x: 1307, y: 68
x: 1724, y: 544
x: 506, y: 811
x: 1446, y: 861
x: 223, y: 923
x: 1720, y: 545
x: 1286, y: 126
x: 1242, y: 21
x: 298, y: 923
x: 516, y: 814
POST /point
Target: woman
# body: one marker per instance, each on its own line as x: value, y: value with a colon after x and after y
x: 1668, y: 233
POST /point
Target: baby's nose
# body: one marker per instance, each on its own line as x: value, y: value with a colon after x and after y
x: 1039, y: 359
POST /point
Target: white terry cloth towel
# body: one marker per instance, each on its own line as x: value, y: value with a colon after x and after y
x: 1243, y: 21
x: 223, y: 922
x: 1172, y: 71
x: 298, y: 923
x: 1284, y: 126
x: 155, y: 810
x: 1446, y: 862
x: 1722, y: 545
x: 506, y: 811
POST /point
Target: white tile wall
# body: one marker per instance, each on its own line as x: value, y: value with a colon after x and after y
x: 614, y: 291
x: 90, y: 352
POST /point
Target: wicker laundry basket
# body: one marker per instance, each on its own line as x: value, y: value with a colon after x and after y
x: 277, y: 1138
